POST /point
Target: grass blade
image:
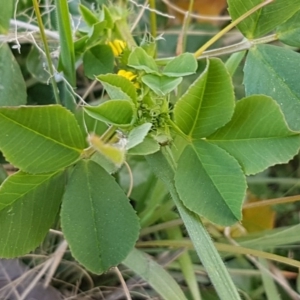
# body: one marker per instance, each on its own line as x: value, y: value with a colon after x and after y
x: 67, y: 54
x: 154, y: 274
x: 204, y: 246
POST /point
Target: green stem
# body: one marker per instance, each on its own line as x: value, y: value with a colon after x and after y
x: 124, y: 33
x: 47, y: 51
x: 241, y: 46
x: 182, y: 39
x: 200, y: 51
x: 276, y: 201
x: 106, y: 136
x: 160, y: 227
x: 88, y: 152
x: 244, y: 45
x: 186, y: 25
x: 203, y: 244
x: 153, y: 21
x: 170, y: 157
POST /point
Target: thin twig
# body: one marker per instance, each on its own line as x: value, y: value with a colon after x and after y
x: 36, y: 279
x: 163, y: 260
x: 139, y: 16
x: 147, y: 7
x: 57, y: 257
x: 34, y: 28
x: 182, y: 38
x: 88, y: 90
x: 56, y: 232
x: 281, y: 200
x: 125, y: 288
x: 130, y: 179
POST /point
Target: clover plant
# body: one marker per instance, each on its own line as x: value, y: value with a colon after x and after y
x: 201, y: 143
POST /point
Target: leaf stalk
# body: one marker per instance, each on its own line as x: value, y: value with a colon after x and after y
x: 200, y: 51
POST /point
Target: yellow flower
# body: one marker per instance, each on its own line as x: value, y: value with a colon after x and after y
x: 127, y: 74
x: 117, y: 46
x: 130, y: 76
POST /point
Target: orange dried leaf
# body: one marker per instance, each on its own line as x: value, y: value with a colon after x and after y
x: 201, y: 7
x: 258, y: 218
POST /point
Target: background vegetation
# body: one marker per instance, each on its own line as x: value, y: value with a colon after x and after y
x: 92, y: 97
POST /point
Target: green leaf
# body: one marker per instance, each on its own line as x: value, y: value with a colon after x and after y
x: 148, y: 146
x: 118, y: 87
x: 96, y: 31
x: 115, y: 112
x: 265, y: 19
x: 161, y: 85
x: 257, y: 135
x: 40, y: 139
x: 211, y: 183
x: 35, y: 64
x: 208, y: 104
x: 150, y: 46
x: 12, y: 84
x: 97, y: 220
x: 274, y: 71
x: 137, y: 135
x: 87, y: 15
x: 182, y: 65
x: 154, y: 274
x: 289, y: 32
x: 29, y: 206
x: 80, y: 45
x: 98, y: 60
x: 6, y: 12
x: 234, y: 61
x: 107, y: 16
x: 66, y: 93
x: 140, y: 60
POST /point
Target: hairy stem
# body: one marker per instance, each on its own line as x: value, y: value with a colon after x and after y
x: 153, y: 27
